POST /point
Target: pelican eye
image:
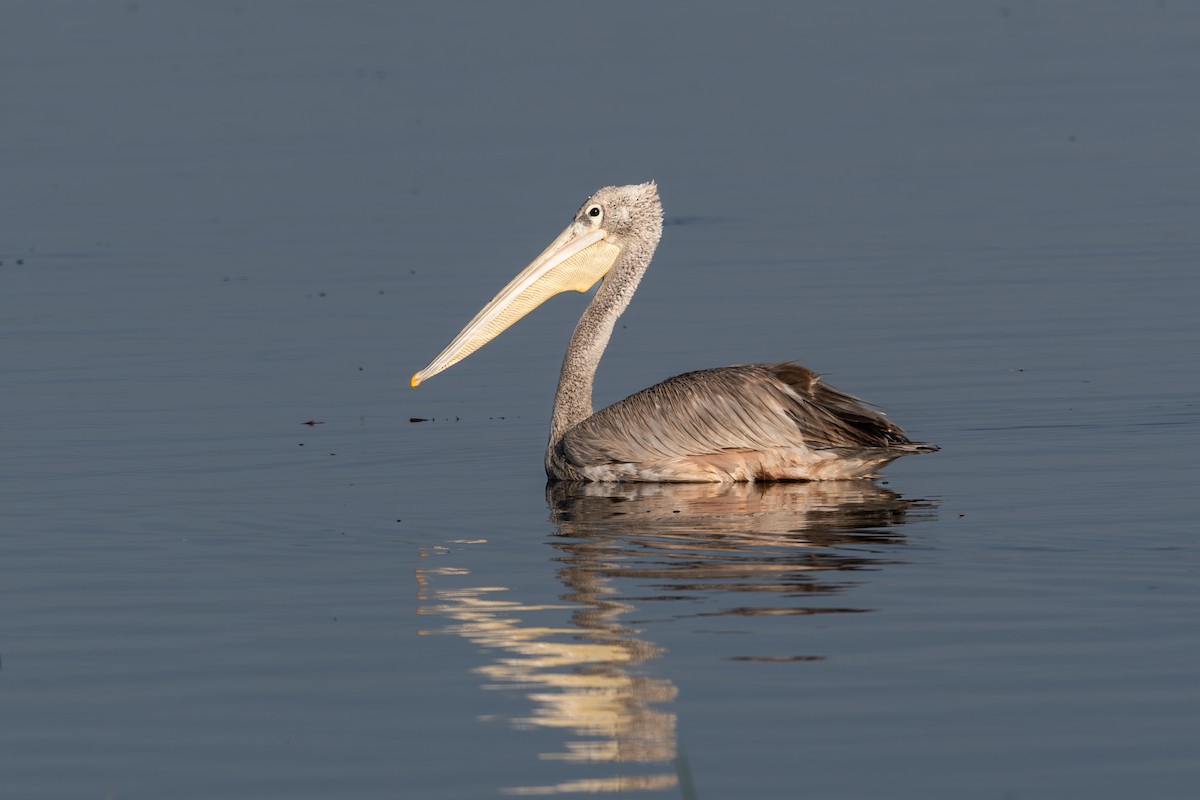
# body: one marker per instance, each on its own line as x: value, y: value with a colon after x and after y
x: 594, y: 211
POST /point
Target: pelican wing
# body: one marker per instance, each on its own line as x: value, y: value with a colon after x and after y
x: 755, y: 421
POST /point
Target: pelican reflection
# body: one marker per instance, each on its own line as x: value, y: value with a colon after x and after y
x: 629, y: 551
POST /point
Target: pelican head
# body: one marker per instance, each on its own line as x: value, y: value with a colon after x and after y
x: 618, y: 224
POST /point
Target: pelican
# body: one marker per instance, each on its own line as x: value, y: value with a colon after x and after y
x: 753, y: 422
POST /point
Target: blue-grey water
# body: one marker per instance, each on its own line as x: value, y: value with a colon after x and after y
x: 232, y: 565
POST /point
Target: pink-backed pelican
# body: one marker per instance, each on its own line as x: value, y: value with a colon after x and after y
x: 741, y: 423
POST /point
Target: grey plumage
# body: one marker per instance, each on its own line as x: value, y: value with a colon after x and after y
x: 751, y: 422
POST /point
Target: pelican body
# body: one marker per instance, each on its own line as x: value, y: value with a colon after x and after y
x: 741, y: 423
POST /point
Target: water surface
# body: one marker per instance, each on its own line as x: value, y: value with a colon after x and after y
x: 233, y: 566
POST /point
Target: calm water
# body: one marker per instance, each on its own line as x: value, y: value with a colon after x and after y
x: 220, y: 222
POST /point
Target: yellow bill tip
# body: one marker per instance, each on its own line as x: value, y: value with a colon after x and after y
x: 416, y: 380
